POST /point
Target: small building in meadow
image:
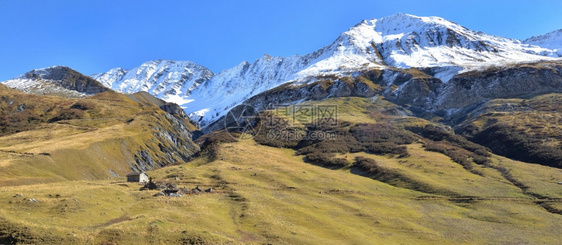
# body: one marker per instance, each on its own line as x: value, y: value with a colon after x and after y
x: 137, y: 177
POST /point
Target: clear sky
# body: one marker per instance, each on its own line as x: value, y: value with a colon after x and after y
x: 93, y: 36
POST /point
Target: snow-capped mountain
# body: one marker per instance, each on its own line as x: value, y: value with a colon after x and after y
x: 166, y: 79
x: 405, y: 41
x: 56, y: 80
x: 230, y: 87
x: 398, y: 41
x: 411, y: 41
x: 551, y: 40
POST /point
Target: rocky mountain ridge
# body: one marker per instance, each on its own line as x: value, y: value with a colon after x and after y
x: 439, y: 48
x: 551, y: 40
x: 56, y: 80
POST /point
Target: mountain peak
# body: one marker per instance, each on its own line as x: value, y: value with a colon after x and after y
x: 401, y: 17
x: 406, y: 22
x: 407, y: 28
x: 167, y: 61
x: 551, y: 40
x: 167, y: 79
x: 56, y: 80
x: 405, y: 40
x: 49, y: 73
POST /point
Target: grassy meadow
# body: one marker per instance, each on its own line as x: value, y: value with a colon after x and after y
x: 274, y: 195
x: 265, y: 194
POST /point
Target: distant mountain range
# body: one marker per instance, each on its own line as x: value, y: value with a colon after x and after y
x: 439, y: 48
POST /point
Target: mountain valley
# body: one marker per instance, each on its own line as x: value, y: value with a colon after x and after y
x: 404, y: 130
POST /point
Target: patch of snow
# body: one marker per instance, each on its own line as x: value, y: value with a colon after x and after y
x: 40, y: 86
x: 446, y: 73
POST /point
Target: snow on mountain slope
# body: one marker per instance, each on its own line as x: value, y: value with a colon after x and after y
x: 34, y: 86
x: 410, y: 41
x: 215, y: 97
x: 56, y: 80
x: 399, y: 41
x: 551, y: 40
x: 170, y: 80
x: 113, y: 76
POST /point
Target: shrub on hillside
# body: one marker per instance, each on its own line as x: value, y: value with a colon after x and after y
x: 216, y: 138
x: 482, y: 152
x: 431, y: 132
x: 517, y: 144
x: 340, y: 144
x: 376, y: 133
x: 67, y: 114
x: 458, y: 155
x: 458, y: 148
x: 436, y: 147
x: 481, y: 160
x: 209, y: 144
x: 280, y: 137
x: 18, y: 122
x: 369, y: 165
x: 326, y: 159
x: 83, y: 105
x: 436, y: 133
x: 461, y: 158
x: 387, y: 148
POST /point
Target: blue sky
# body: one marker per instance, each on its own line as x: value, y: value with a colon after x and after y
x: 95, y: 36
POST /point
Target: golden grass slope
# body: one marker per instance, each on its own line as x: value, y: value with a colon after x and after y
x: 269, y: 195
x: 96, y: 137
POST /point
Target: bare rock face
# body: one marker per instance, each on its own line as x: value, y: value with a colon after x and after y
x: 508, y: 82
x: 288, y: 94
x: 465, y: 92
x: 415, y: 92
x: 174, y: 109
x: 419, y: 90
x: 171, y: 143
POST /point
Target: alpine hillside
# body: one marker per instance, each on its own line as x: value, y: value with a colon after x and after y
x: 104, y: 135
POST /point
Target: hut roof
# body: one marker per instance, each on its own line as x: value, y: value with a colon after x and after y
x: 136, y: 174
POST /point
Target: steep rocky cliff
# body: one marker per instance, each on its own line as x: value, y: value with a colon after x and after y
x: 498, y: 82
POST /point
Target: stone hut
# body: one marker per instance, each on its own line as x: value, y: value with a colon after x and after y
x: 137, y: 177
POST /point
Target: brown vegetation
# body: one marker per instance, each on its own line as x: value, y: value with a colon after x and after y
x: 459, y: 149
x: 517, y: 144
x: 528, y: 130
